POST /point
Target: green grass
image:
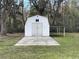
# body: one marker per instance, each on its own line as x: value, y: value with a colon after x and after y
x: 68, y: 49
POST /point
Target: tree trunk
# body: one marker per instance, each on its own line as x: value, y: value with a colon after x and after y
x: 0, y: 22
x: 3, y: 23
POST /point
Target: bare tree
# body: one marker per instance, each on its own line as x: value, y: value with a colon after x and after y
x: 55, y: 7
x: 21, y: 4
x: 7, y: 9
x: 40, y: 5
x: 3, y: 17
x: 52, y: 7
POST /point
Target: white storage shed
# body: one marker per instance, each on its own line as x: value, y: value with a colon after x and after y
x: 37, y: 26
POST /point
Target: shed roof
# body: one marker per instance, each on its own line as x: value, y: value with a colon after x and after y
x: 37, y: 16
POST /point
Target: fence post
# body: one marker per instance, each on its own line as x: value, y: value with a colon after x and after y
x: 64, y: 32
x: 57, y: 30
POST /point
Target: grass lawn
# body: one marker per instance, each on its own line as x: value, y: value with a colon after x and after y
x: 68, y: 49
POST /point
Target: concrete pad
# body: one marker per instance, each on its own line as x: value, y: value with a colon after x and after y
x: 30, y: 41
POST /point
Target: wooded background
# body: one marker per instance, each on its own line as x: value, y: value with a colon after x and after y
x: 59, y: 12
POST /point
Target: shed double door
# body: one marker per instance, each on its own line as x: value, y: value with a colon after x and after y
x: 37, y: 29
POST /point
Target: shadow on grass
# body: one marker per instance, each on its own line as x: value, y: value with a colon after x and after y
x: 56, y: 35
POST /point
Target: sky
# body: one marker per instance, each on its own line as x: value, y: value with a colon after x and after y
x: 26, y: 4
